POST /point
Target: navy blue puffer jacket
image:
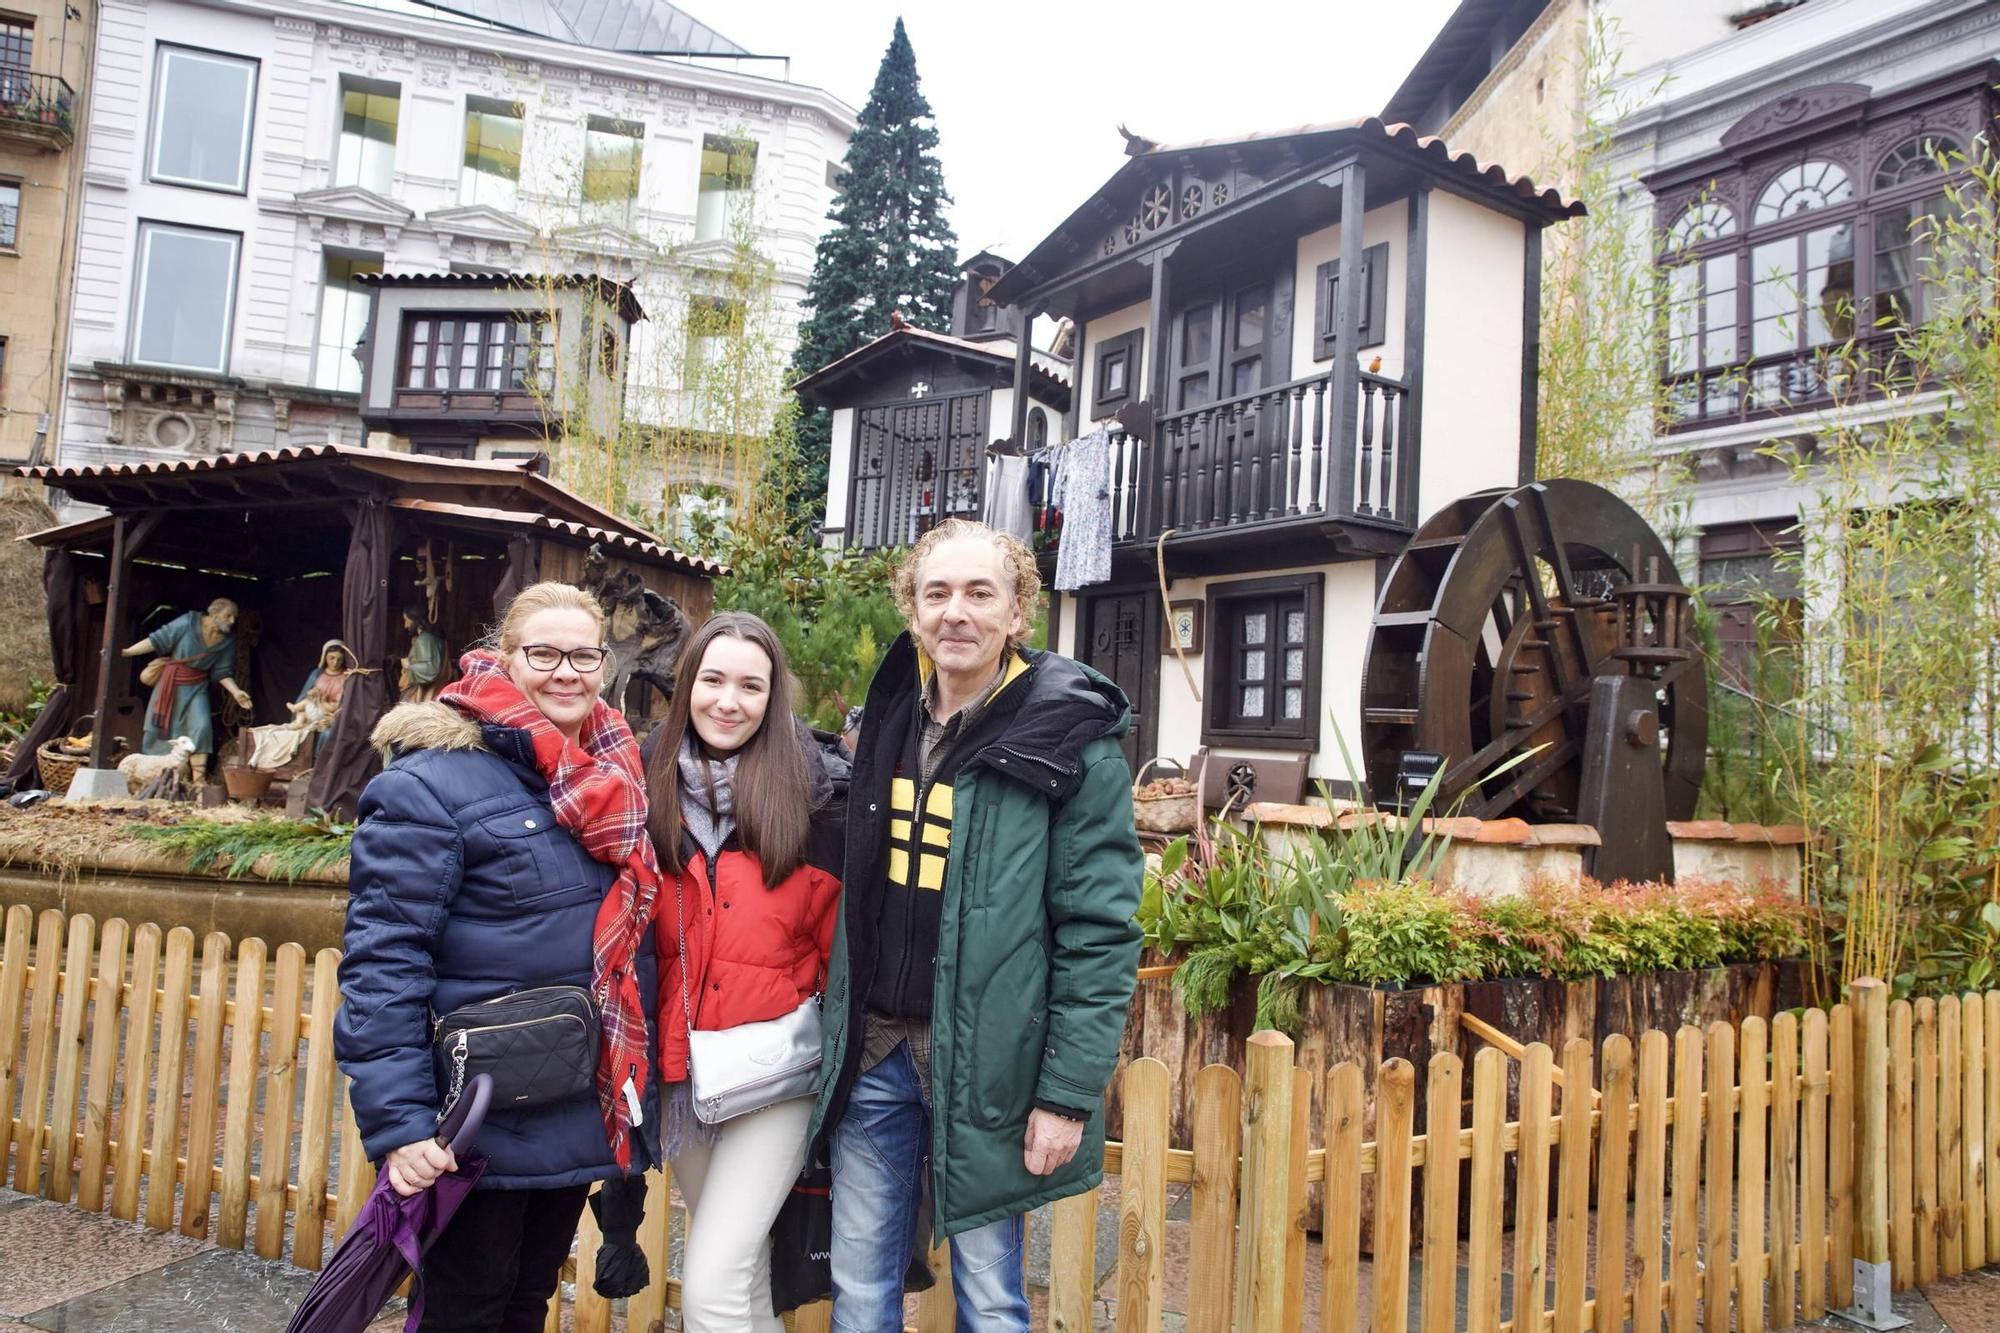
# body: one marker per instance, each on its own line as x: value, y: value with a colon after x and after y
x: 464, y: 888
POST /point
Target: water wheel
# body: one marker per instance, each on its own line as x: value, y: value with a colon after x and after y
x: 1503, y: 620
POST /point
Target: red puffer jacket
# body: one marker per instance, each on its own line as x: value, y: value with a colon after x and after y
x: 753, y: 953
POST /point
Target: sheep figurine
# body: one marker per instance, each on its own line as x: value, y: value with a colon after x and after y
x: 141, y: 770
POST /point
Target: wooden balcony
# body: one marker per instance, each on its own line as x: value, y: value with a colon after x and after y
x: 1252, y: 480
x: 37, y: 109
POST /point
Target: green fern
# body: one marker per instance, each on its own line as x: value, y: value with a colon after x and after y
x: 1203, y: 980
x: 296, y: 847
x: 1278, y: 1006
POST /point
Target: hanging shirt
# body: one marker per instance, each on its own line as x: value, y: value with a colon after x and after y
x: 1007, y: 506
x: 1083, y: 493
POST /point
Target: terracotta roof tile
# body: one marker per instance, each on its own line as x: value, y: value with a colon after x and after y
x: 1701, y: 830
x: 1508, y: 831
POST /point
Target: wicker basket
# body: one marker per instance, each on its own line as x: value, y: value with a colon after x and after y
x: 57, y: 768
x: 1162, y: 814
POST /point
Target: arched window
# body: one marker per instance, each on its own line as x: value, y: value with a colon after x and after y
x: 1701, y: 307
x: 1702, y: 221
x: 1916, y: 159
x: 1801, y: 188
x: 1817, y: 224
x: 1038, y: 429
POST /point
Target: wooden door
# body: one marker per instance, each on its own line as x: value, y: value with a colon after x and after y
x: 1121, y: 638
x: 1223, y: 344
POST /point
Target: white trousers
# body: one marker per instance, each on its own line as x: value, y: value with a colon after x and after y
x: 734, y: 1188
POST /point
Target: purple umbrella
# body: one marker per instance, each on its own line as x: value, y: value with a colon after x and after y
x: 392, y: 1231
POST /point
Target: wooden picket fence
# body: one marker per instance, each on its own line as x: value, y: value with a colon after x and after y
x: 1725, y: 1179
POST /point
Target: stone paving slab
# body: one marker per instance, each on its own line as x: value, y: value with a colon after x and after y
x: 56, y: 1253
x: 216, y: 1291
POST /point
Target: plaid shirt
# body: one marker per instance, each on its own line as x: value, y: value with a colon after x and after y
x: 881, y: 1034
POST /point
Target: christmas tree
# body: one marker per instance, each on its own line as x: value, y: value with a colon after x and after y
x: 890, y: 248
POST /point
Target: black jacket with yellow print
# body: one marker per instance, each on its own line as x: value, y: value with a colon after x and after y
x: 911, y: 902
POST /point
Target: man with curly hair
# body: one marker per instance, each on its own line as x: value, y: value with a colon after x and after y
x: 985, y: 954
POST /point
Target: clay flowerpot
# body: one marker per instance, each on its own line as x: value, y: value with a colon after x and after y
x: 245, y: 784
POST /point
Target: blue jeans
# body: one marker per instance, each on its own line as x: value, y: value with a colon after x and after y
x: 881, y: 1150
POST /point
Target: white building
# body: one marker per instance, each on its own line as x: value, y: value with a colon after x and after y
x: 1783, y: 155
x: 249, y: 160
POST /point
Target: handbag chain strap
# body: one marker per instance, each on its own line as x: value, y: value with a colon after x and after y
x: 680, y: 925
x: 459, y: 1051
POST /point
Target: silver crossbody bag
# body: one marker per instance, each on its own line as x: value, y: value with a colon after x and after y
x: 735, y: 1071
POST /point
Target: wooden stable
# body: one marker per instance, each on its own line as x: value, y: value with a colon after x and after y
x: 314, y: 544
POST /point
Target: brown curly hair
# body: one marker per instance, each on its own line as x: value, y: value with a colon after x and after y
x: 1015, y: 557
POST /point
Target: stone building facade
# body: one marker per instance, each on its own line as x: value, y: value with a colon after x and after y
x: 252, y: 162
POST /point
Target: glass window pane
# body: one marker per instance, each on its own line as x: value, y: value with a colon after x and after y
x: 1295, y: 704
x: 1246, y: 376
x: 1197, y: 335
x: 1194, y: 390
x: 343, y: 317
x: 728, y: 174
x: 187, y: 290
x: 1255, y: 626
x: 10, y: 213
x: 1252, y: 701
x: 492, y: 161
x: 366, y: 155
x: 1253, y: 665
x: 1114, y: 375
x: 1295, y: 627
x: 1799, y: 189
x: 611, y: 151
x: 1295, y: 664
x: 202, y: 110
x: 1720, y: 346
x: 1250, y: 309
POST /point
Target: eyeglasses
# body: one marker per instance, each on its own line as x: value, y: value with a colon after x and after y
x: 546, y: 657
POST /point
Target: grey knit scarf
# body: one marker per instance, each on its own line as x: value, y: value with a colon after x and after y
x: 708, y: 796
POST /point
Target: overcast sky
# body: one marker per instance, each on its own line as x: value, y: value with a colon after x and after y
x: 1029, y: 93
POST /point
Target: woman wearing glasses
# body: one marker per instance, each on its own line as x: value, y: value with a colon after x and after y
x: 502, y: 851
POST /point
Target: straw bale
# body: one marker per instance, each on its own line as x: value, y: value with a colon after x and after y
x: 24, y: 617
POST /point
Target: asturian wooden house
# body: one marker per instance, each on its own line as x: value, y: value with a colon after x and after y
x: 915, y: 411
x: 1286, y: 431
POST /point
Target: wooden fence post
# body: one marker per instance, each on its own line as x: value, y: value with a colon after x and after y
x: 1265, y: 1208
x: 1869, y: 1002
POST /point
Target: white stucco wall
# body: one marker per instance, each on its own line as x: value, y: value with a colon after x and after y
x: 1349, y: 606
x: 1102, y: 329
x: 1388, y: 224
x: 1472, y: 352
x: 291, y: 215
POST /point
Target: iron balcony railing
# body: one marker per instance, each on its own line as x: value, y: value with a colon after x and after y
x: 41, y: 107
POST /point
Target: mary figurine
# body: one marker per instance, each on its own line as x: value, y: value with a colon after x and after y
x: 312, y: 712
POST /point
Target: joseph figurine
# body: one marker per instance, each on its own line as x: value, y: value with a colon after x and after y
x: 196, y: 648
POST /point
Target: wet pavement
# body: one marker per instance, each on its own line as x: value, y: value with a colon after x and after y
x: 64, y: 1269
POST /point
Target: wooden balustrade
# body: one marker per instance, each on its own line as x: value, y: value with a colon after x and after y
x: 1263, y: 457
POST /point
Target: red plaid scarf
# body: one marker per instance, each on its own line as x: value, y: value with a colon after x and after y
x: 598, y: 790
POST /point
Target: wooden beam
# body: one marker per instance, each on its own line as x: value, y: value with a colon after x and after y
x: 1345, y: 418
x: 1416, y: 296
x: 1531, y: 350
x: 1161, y: 310
x: 114, y: 620
x: 1024, y: 361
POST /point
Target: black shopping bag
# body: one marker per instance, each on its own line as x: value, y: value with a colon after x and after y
x: 802, y: 1241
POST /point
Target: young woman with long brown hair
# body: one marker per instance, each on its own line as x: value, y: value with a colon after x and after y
x: 746, y: 812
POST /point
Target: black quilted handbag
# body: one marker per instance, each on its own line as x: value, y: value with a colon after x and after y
x: 539, y: 1045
